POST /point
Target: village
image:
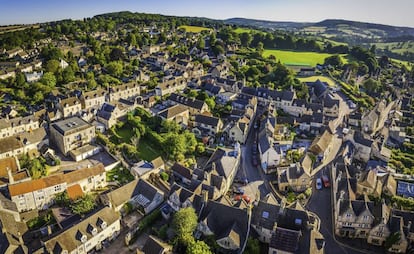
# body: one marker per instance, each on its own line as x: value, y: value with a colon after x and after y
x: 106, y: 168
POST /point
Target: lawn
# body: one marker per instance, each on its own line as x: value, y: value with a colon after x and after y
x: 296, y: 58
x: 146, y: 150
x: 125, y: 133
x: 120, y: 174
x: 328, y: 80
x: 194, y: 29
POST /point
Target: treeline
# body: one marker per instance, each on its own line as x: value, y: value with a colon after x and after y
x: 279, y: 40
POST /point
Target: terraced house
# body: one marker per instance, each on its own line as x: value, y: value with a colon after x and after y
x: 40, y: 193
x: 87, y: 235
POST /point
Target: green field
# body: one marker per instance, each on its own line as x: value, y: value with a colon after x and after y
x: 407, y: 64
x: 328, y: 80
x: 241, y: 30
x: 396, y: 47
x: 297, y: 58
x: 194, y: 29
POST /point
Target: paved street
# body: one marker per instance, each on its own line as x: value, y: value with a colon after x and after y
x: 252, y: 173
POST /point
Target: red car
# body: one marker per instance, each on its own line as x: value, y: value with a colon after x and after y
x: 325, y: 181
x: 244, y: 197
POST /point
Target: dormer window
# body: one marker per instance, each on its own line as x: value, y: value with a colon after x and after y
x: 92, y: 230
x: 101, y: 223
x: 81, y: 237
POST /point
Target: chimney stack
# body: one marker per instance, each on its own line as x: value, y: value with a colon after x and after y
x: 9, y: 173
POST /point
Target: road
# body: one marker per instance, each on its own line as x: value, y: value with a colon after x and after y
x: 257, y: 187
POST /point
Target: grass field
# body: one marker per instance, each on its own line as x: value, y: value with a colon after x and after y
x: 241, y: 30
x: 328, y: 80
x: 297, y: 58
x: 407, y: 64
x: 194, y: 29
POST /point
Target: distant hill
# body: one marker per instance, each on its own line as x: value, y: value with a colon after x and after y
x: 341, y: 30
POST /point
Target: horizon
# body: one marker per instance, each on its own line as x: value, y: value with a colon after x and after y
x: 276, y: 11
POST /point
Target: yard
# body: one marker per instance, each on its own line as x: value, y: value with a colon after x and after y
x: 194, y: 29
x: 146, y: 150
x: 119, y: 174
x: 328, y: 80
x: 296, y: 58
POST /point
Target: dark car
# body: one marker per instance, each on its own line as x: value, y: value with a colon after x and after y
x: 254, y: 149
x: 255, y: 161
x: 241, y: 180
x: 238, y: 191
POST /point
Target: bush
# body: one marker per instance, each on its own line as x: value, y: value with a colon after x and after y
x: 164, y: 176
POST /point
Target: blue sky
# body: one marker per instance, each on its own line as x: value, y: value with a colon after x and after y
x: 392, y: 12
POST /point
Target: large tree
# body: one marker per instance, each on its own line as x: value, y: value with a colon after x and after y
x: 184, y: 223
x: 198, y: 247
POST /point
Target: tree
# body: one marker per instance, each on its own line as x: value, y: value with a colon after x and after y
x: 218, y: 50
x: 115, y: 68
x: 20, y: 80
x: 198, y: 247
x: 246, y: 39
x: 48, y: 80
x: 68, y: 75
x: 83, y: 205
x: 201, y: 43
x: 253, y: 246
x: 184, y: 223
x: 52, y: 66
x: 335, y: 61
x: 260, y: 48
x: 116, y: 54
x: 211, y: 103
x: 371, y: 86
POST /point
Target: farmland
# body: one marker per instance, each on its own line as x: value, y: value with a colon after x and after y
x: 295, y: 58
x: 194, y: 29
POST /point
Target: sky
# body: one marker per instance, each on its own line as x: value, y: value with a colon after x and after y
x: 390, y: 12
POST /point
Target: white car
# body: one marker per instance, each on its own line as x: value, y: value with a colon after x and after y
x: 318, y: 184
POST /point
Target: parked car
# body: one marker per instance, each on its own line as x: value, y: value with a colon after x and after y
x: 238, y: 191
x: 241, y: 180
x: 325, y: 181
x: 255, y: 161
x: 244, y: 197
x: 318, y: 184
x: 254, y: 149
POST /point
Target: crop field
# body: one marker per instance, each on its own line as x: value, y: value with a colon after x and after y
x: 296, y: 58
x: 194, y: 29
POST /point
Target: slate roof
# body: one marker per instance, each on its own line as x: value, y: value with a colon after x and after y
x: 189, y: 102
x: 223, y: 163
x: 106, y: 111
x: 172, y: 111
x: 319, y: 87
x: 213, y: 89
x: 182, y: 170
x: 226, y: 221
x: 405, y: 189
x: 126, y: 192
x: 360, y: 139
x: 70, y: 239
x: 285, y: 240
x: 155, y: 246
x: 207, y: 120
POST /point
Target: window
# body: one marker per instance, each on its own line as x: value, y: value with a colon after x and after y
x: 348, y: 215
x: 58, y: 188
